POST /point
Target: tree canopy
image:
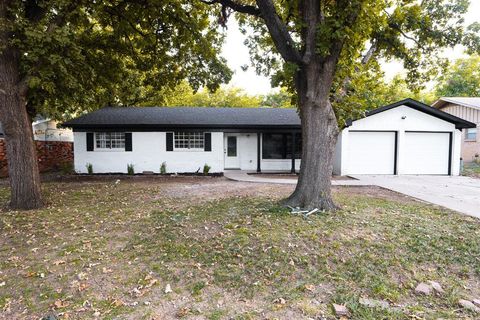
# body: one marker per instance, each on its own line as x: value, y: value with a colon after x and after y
x: 413, y: 32
x: 461, y: 79
x: 76, y: 55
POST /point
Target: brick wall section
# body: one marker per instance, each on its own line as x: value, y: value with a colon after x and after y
x: 51, y: 155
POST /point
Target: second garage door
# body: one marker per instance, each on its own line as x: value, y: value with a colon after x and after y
x: 426, y: 153
x: 371, y: 152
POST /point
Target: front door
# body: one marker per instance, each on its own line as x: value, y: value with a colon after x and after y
x: 232, y: 160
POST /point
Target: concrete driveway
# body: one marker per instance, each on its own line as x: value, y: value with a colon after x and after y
x: 461, y: 194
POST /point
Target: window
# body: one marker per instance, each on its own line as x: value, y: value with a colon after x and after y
x: 189, y: 141
x: 110, y: 140
x: 279, y: 146
x: 232, y: 146
x: 471, y: 134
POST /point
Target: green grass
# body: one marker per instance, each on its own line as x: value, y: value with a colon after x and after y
x: 471, y: 169
x: 231, y: 258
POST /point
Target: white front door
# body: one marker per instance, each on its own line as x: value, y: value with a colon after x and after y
x: 232, y: 160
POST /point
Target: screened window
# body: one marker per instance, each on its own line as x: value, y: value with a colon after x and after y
x: 471, y: 134
x: 189, y: 141
x: 279, y: 146
x: 110, y: 140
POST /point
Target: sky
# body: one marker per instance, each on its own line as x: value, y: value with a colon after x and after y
x: 237, y: 56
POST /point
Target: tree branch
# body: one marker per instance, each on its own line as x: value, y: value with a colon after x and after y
x: 278, y: 31
x: 237, y: 7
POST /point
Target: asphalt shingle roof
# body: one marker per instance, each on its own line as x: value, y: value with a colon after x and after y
x: 150, y: 117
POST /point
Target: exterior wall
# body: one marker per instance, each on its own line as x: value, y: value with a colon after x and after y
x: 46, y: 130
x: 51, y: 155
x: 148, y: 153
x: 391, y: 120
x: 469, y: 148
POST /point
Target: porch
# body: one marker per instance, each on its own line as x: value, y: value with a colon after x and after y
x: 262, y: 151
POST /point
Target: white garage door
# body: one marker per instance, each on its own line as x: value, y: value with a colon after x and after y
x: 371, y: 152
x: 426, y: 153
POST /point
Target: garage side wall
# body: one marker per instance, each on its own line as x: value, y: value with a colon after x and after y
x: 148, y: 153
x: 400, y: 119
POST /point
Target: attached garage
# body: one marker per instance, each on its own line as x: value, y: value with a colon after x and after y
x: 407, y: 137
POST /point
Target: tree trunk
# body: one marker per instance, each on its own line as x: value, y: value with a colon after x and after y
x: 319, y: 136
x: 21, y: 153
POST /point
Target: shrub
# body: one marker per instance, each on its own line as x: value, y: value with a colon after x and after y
x: 206, y: 169
x: 163, y: 168
x: 67, y: 167
x: 89, y: 168
x: 130, y: 169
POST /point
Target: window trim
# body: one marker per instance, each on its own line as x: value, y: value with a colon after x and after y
x: 471, y: 139
x: 200, y: 133
x: 99, y: 149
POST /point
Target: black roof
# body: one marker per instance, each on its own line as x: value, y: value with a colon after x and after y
x: 419, y: 106
x: 157, y: 118
x: 186, y: 117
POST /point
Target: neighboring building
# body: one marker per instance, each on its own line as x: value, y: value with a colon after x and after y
x: 54, y: 146
x: 407, y: 137
x: 469, y: 109
x: 47, y: 130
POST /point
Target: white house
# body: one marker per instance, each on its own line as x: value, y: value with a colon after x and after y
x: 407, y: 137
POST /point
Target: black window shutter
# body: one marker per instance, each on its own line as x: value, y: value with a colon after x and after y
x: 169, y: 141
x: 128, y: 141
x: 208, y: 142
x: 89, y: 141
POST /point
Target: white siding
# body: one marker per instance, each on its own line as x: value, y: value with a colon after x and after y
x: 149, y: 151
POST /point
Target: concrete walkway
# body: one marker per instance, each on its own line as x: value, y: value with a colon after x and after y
x: 461, y: 194
x: 239, y: 175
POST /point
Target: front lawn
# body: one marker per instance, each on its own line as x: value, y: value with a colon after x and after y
x: 471, y: 169
x: 208, y: 248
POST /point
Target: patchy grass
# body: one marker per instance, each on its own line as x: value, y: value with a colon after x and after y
x: 471, y: 169
x: 228, y: 250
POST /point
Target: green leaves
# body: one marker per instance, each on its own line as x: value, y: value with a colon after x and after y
x: 83, y: 55
x: 461, y: 79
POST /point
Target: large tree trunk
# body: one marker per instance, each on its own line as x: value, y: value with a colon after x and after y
x: 319, y: 136
x: 21, y: 153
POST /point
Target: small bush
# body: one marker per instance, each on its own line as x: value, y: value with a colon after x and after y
x: 206, y: 169
x: 163, y: 168
x: 130, y: 169
x: 89, y: 168
x: 66, y: 167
